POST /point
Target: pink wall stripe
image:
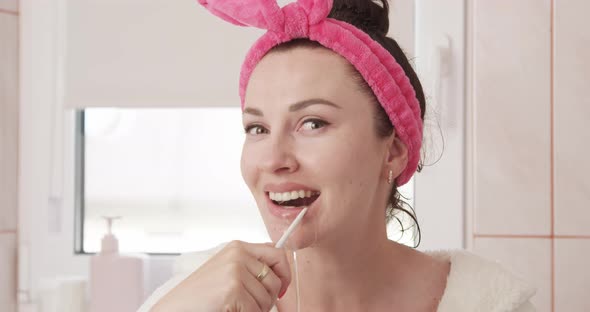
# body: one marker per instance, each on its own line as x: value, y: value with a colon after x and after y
x: 531, y: 236
x: 475, y: 235
x: 3, y: 11
x: 552, y: 149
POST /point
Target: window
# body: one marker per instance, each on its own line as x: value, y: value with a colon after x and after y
x: 173, y: 177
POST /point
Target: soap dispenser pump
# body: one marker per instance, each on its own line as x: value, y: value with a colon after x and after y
x: 109, y: 243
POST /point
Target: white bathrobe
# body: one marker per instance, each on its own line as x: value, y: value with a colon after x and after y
x: 473, y: 284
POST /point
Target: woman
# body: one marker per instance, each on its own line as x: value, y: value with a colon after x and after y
x: 333, y: 117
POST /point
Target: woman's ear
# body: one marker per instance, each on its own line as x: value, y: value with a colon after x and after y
x: 397, y: 156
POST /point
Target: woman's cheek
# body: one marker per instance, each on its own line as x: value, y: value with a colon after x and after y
x: 247, y: 166
x: 330, y: 152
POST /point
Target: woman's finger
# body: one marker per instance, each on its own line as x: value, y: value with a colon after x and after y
x: 244, y: 302
x: 258, y: 290
x: 275, y: 258
x: 271, y: 281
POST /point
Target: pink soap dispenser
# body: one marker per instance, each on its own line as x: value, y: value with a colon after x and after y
x: 117, y: 282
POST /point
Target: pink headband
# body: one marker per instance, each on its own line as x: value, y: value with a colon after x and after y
x: 309, y: 19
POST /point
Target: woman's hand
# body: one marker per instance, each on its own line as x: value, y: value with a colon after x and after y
x: 228, y: 281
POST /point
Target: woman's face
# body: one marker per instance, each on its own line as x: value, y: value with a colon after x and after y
x: 311, y: 141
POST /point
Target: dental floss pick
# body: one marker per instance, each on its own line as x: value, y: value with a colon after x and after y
x: 282, y: 242
x: 290, y: 229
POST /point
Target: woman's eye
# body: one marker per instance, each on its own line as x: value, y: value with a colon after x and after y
x: 255, y: 130
x: 313, y: 124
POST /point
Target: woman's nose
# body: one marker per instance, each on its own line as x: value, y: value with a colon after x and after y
x: 279, y: 158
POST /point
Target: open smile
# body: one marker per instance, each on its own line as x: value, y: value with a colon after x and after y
x: 294, y: 199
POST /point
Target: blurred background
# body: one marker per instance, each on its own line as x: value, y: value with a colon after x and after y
x: 130, y: 108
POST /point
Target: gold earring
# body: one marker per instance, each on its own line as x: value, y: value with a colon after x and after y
x: 390, y: 177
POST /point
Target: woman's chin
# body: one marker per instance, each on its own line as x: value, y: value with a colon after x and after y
x: 301, y: 238
x: 297, y: 243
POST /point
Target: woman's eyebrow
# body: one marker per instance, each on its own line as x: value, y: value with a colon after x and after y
x: 293, y: 107
x: 306, y: 103
x: 252, y: 111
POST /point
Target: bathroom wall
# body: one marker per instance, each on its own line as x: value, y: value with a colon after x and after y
x: 9, y: 18
x: 528, y: 191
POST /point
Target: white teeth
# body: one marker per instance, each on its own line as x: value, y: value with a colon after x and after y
x: 286, y: 196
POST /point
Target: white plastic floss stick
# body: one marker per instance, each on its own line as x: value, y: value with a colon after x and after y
x: 291, y: 228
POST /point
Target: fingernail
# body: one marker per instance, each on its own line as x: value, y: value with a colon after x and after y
x: 282, y: 293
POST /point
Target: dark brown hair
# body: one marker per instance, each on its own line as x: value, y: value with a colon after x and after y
x: 373, y: 18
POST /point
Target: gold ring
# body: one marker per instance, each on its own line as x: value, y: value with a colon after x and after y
x: 263, y: 273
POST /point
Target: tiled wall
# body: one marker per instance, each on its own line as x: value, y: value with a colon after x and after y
x: 531, y: 193
x: 8, y: 151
